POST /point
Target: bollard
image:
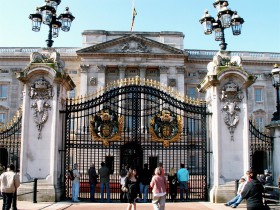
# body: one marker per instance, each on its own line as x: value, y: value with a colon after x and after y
x: 236, y: 186
x: 14, y: 206
x: 35, y: 191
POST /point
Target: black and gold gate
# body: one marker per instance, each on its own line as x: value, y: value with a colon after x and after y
x: 133, y: 122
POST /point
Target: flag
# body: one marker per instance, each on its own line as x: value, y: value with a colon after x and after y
x: 134, y: 13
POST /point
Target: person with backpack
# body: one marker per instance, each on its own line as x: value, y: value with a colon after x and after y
x: 9, y: 182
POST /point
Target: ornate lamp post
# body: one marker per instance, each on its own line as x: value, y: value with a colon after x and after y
x: 47, y: 15
x: 276, y: 83
x: 225, y: 18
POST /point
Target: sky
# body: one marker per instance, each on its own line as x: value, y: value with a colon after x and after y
x: 260, y: 31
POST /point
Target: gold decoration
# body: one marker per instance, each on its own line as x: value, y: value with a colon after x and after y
x: 166, y: 127
x: 106, y: 126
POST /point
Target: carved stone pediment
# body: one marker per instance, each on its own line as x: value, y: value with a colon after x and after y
x: 132, y: 44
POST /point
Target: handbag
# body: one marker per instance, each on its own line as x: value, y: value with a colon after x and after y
x: 124, y: 189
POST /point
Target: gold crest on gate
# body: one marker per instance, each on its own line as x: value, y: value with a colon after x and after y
x: 106, y: 126
x: 166, y: 127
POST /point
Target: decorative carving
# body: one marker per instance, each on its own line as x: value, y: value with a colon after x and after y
x: 166, y: 127
x: 106, y: 126
x: 47, y: 57
x: 172, y: 82
x: 84, y: 67
x: 40, y: 92
x: 93, y: 81
x: 231, y: 95
x: 134, y: 47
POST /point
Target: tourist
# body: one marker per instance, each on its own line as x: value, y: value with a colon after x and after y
x: 92, y: 175
x: 145, y: 179
x: 76, y: 183
x: 104, y: 174
x: 122, y: 177
x: 238, y: 198
x: 183, y: 178
x: 132, y: 184
x: 9, y: 182
x: 253, y: 192
x: 173, y: 183
x: 158, y: 185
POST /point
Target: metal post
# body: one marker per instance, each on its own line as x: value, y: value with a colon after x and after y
x: 35, y: 191
x: 14, y: 204
x: 236, y: 186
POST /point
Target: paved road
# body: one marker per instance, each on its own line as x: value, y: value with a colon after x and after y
x: 24, y: 205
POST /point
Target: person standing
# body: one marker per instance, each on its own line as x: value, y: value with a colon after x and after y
x: 123, y: 174
x: 183, y: 178
x: 145, y: 179
x: 132, y: 184
x: 76, y: 183
x: 9, y: 182
x: 92, y: 175
x: 104, y: 174
x: 253, y: 192
x: 173, y: 183
x: 158, y: 185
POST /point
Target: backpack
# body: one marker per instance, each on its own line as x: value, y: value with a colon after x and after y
x: 71, y: 175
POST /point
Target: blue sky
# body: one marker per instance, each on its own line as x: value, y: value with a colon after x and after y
x: 260, y: 32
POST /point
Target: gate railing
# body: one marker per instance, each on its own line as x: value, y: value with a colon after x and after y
x: 261, y: 148
x: 10, y: 137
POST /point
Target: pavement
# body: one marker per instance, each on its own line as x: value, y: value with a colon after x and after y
x: 25, y: 205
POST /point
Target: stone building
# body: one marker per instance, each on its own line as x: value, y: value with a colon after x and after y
x: 157, y: 58
x: 106, y: 56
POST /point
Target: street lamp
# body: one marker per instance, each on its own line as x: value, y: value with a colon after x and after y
x: 276, y: 83
x: 47, y: 15
x: 226, y: 18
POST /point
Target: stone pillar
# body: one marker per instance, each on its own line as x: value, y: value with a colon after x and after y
x: 163, y: 74
x: 122, y: 69
x: 45, y: 91
x: 84, y: 79
x: 274, y: 128
x: 225, y: 85
x: 181, y: 79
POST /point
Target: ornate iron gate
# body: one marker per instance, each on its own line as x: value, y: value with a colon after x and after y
x: 10, y: 137
x: 133, y: 122
x: 261, y: 147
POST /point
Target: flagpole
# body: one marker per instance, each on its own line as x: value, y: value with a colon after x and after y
x: 133, y: 16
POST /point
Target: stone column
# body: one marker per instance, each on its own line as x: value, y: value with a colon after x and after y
x: 84, y: 69
x: 274, y: 128
x: 122, y: 69
x: 45, y: 91
x: 225, y: 85
x: 163, y: 74
x: 181, y: 79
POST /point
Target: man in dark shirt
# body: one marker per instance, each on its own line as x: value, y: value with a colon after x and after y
x: 104, y: 174
x: 92, y: 181
x: 252, y: 192
x: 145, y: 179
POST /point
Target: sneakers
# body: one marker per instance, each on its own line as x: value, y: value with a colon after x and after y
x: 226, y: 204
x: 233, y: 206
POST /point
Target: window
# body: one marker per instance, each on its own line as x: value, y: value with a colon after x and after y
x: 3, y: 118
x: 3, y: 91
x: 260, y: 123
x: 258, y: 94
x: 192, y: 92
x: 72, y: 94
